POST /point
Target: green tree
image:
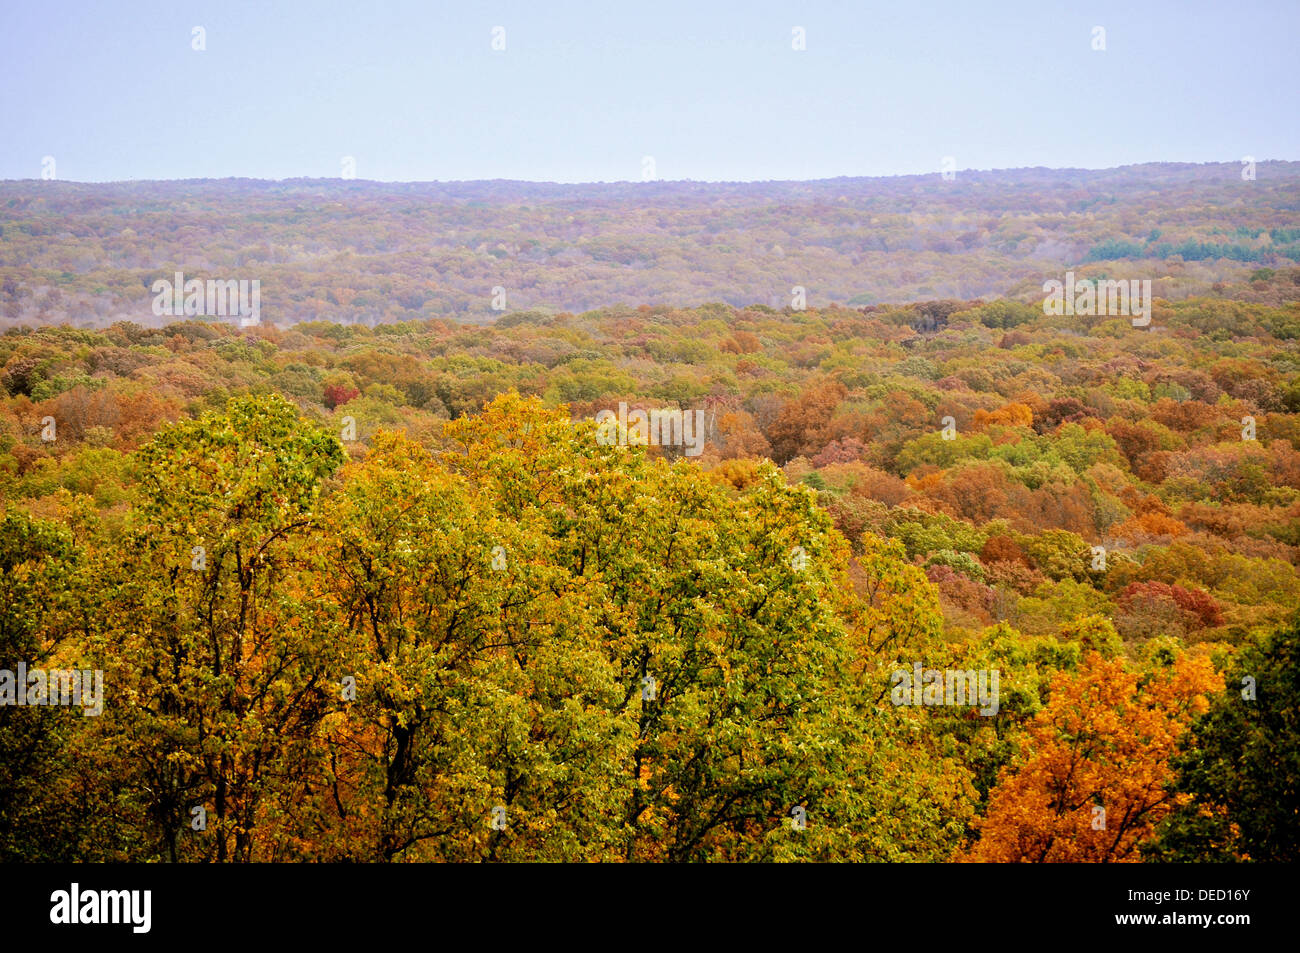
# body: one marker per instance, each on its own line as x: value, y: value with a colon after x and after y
x: 1239, y: 781
x: 39, y: 817
x: 213, y: 633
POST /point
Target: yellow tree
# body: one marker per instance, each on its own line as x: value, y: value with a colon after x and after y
x: 480, y: 681
x: 893, y: 612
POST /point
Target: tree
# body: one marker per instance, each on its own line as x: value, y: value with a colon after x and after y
x: 526, y: 686
x: 1095, y: 777
x: 1239, y: 772
x: 896, y: 610
x: 798, y: 429
x: 41, y: 815
x: 1146, y: 609
x: 1060, y: 554
x: 218, y: 633
x: 480, y: 677
x: 697, y: 589
x: 339, y: 393
x: 1003, y: 549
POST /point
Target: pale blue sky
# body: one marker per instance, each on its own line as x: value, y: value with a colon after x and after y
x: 583, y: 91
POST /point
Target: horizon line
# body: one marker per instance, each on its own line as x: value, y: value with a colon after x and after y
x: 902, y: 175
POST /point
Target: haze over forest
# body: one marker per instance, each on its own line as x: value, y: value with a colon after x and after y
x: 369, y: 252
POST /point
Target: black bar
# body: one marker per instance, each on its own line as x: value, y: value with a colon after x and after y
x: 665, y: 904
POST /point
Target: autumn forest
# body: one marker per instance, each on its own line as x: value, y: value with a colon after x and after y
x: 527, y: 524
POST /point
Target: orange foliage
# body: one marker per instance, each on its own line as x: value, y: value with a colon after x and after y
x: 1103, y: 741
x: 1149, y: 526
x: 1012, y: 415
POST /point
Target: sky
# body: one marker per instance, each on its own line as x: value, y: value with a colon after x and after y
x: 587, y: 92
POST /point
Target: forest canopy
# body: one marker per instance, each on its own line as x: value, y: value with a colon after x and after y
x: 385, y: 594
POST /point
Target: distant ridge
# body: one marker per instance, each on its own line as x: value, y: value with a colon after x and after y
x: 376, y: 252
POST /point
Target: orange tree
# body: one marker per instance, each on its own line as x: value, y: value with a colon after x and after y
x: 1095, y: 776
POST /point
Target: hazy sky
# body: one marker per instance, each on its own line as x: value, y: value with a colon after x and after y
x: 585, y: 91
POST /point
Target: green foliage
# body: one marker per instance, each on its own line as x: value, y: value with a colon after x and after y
x: 961, y: 562
x: 933, y: 450
x: 1240, y: 771
x: 39, y: 575
x: 924, y: 533
x: 1004, y: 313
x: 1060, y: 554
x: 210, y: 628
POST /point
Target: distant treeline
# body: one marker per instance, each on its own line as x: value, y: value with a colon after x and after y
x: 1285, y: 243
